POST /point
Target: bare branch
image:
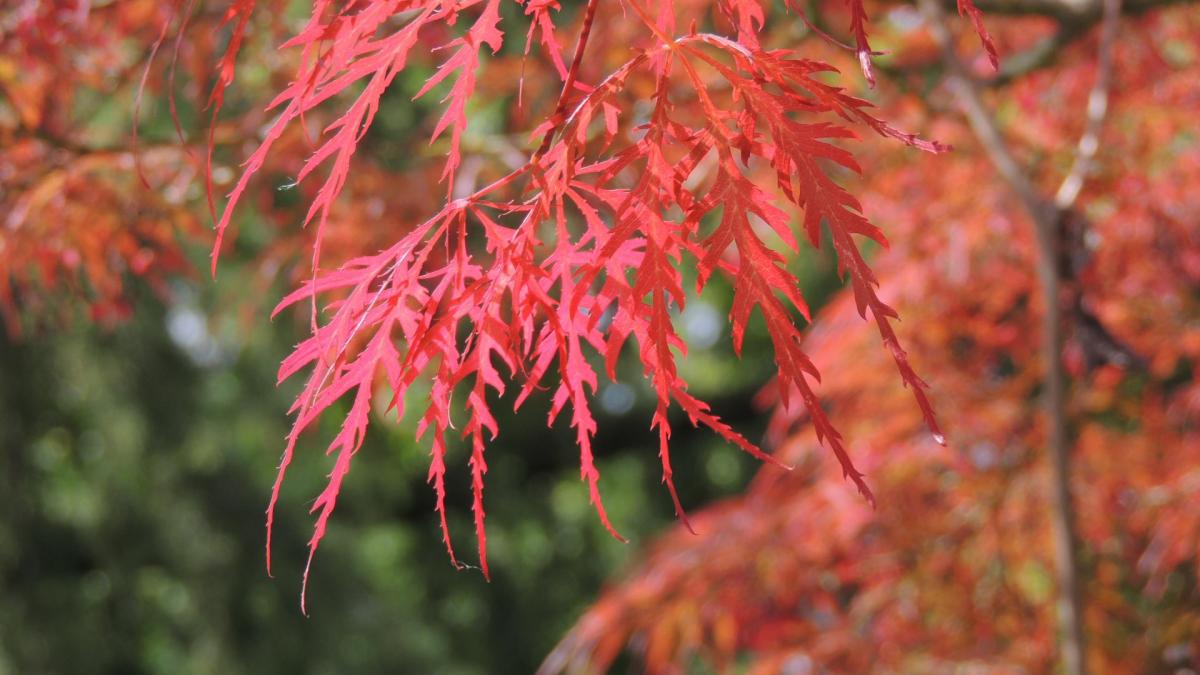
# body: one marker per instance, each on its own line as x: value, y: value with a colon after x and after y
x: 1097, y: 106
x: 1084, y: 12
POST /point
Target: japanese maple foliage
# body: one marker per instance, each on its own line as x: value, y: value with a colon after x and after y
x: 655, y: 146
x: 692, y: 149
x: 955, y: 572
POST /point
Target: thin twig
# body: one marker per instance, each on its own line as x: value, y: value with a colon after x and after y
x: 1097, y: 106
x: 560, y: 109
x: 980, y: 118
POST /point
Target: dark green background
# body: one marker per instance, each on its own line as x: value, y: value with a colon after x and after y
x: 135, y: 479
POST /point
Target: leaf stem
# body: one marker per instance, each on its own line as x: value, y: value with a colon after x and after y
x: 560, y: 109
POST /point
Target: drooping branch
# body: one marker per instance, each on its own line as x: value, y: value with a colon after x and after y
x: 521, y: 307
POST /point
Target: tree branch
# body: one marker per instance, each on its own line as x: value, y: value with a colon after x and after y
x: 1046, y: 218
x: 1097, y: 106
x: 1082, y: 12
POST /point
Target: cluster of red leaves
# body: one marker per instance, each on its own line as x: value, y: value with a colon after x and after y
x: 75, y: 220
x: 556, y: 264
x: 88, y: 205
x: 956, y: 571
x: 81, y: 227
x: 672, y: 149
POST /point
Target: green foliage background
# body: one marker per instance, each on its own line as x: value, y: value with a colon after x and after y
x: 135, y: 480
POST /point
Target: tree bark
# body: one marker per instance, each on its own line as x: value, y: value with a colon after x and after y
x: 1066, y: 546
